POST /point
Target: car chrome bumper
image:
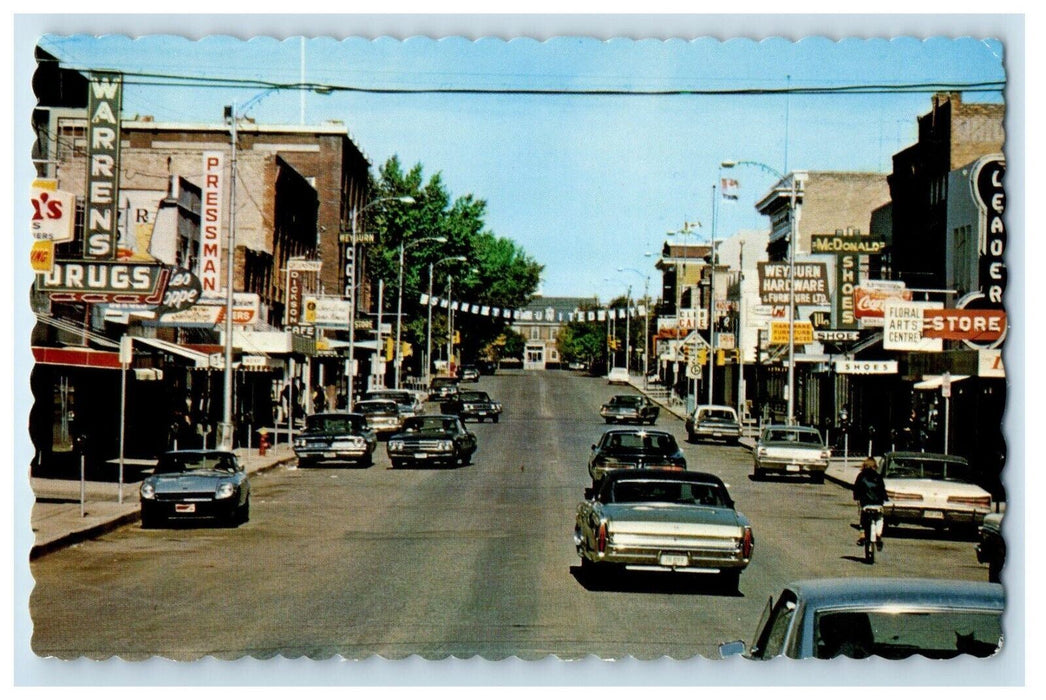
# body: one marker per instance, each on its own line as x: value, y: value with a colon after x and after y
x: 791, y: 467
x: 928, y: 515
x: 656, y: 559
x: 310, y: 453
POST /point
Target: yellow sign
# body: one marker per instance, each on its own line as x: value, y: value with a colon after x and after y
x: 42, y: 256
x: 804, y: 333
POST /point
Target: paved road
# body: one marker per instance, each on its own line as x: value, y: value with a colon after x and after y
x: 438, y: 562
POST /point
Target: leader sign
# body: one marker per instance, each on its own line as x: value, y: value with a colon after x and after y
x: 103, y: 172
x: 991, y: 200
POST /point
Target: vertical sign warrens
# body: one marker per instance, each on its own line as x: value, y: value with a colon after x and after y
x: 103, y: 170
x: 211, y: 222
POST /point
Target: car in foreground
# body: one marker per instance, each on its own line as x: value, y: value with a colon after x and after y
x: 191, y: 485
x: 406, y: 400
x: 657, y: 520
x: 434, y: 439
x: 443, y: 388
x: 894, y: 618
x: 630, y: 408
x: 475, y: 405
x: 335, y: 436
x: 634, y: 448
x: 935, y: 490
x: 791, y: 449
x: 383, y: 416
x: 991, y: 547
x: 713, y: 423
x: 617, y: 375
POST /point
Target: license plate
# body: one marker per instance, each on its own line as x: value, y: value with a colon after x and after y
x: 717, y: 434
x: 330, y: 455
x: 792, y: 468
x: 674, y: 560
x: 184, y: 507
x: 420, y: 455
x: 933, y: 515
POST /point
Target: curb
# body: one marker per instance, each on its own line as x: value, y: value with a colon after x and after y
x: 118, y: 521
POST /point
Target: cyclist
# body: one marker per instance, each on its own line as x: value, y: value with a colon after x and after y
x: 870, y: 490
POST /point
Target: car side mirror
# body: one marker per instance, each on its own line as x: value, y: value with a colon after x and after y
x: 728, y: 649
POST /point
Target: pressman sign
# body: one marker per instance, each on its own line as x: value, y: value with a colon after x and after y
x: 211, y: 217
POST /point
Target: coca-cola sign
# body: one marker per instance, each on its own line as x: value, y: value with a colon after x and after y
x: 870, y: 301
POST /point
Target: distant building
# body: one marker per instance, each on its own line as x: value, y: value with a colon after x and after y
x: 539, y: 325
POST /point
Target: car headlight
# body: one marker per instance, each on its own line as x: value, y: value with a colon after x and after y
x: 148, y: 491
x: 299, y: 442
x: 446, y: 445
x: 225, y: 490
x: 395, y: 445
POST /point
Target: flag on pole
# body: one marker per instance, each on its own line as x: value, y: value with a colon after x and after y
x: 730, y: 188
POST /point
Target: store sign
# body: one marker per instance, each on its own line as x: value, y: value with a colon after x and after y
x: 803, y: 332
x: 846, y: 245
x: 54, y: 212
x: 866, y: 366
x: 327, y: 312
x: 989, y: 364
x: 836, y: 336
x: 976, y: 325
x: 104, y: 95
x: 871, y: 297
x: 211, y: 201
x: 811, y: 284
x: 104, y: 282
x: 246, y: 310
x: 41, y: 257
x: 990, y: 197
x: 903, y: 324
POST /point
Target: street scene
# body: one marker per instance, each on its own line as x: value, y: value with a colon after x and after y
x: 378, y: 348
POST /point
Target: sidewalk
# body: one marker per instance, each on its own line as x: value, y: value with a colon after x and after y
x: 57, y: 521
x: 842, y: 471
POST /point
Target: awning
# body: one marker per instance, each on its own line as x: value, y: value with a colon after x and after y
x: 76, y: 357
x: 199, y: 359
x: 934, y: 381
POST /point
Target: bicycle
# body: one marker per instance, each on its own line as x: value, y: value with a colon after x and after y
x: 872, y: 527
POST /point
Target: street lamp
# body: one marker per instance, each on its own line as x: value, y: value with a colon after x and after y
x: 428, y: 334
x: 350, y: 290
x: 689, y: 229
x: 399, y: 300
x: 795, y: 189
x: 646, y: 321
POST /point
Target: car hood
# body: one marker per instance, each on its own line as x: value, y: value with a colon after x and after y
x: 189, y: 481
x: 319, y: 434
x: 659, y: 517
x: 935, y: 486
x: 424, y: 435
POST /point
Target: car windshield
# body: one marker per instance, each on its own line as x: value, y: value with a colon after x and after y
x: 366, y: 407
x: 474, y: 396
x: 653, y: 491
x: 648, y: 442
x: 444, y: 381
x: 333, y: 424
x: 178, y: 462
x: 898, y: 634
x: 429, y: 423
x: 626, y: 401
x: 717, y: 414
x: 922, y: 468
x: 402, y: 399
x: 802, y: 437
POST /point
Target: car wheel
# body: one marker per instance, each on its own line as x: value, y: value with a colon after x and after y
x: 759, y: 474
x: 149, y: 520
x: 304, y: 463
x: 396, y: 463
x: 730, y: 580
x: 243, y: 513
x: 496, y: 418
x: 608, y: 421
x: 690, y: 437
x: 817, y: 477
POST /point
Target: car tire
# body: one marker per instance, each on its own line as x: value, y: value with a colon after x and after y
x: 730, y: 580
x: 759, y: 474
x: 149, y: 520
x: 304, y: 463
x: 496, y: 418
x: 243, y: 513
x: 396, y: 463
x: 817, y: 477
x: 690, y: 437
x: 608, y: 421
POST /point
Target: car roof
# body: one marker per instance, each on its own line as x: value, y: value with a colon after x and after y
x: 178, y: 453
x: 936, y: 456
x: 715, y: 405
x: 634, y: 431
x: 661, y: 475
x: 919, y: 592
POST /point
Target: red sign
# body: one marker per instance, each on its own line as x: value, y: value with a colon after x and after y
x: 984, y: 325
x: 870, y: 302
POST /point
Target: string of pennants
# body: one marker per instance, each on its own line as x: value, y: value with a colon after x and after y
x: 548, y: 315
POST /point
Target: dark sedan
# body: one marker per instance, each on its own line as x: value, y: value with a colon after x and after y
x: 196, y: 485
x: 630, y: 408
x: 632, y: 448
x: 476, y: 405
x: 444, y: 388
x: 342, y: 437
x: 438, y: 439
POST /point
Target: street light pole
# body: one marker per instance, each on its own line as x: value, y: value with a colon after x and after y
x: 399, y: 300
x: 428, y: 334
x: 711, y: 295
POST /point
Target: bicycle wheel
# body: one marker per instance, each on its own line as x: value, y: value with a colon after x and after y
x: 869, y: 546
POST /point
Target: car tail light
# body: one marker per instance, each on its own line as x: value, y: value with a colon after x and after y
x: 601, y: 538
x: 664, y: 465
x: 901, y: 496
x: 747, y: 543
x: 984, y: 501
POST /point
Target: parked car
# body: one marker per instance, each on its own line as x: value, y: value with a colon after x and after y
x: 476, y: 405
x: 659, y: 520
x: 713, y: 423
x: 890, y: 617
x: 335, y: 436
x: 406, y: 400
x: 196, y: 485
x: 435, y: 439
x: 617, y: 375
x: 937, y: 490
x: 443, y: 388
x: 630, y: 408
x: 634, y: 448
x: 991, y: 547
x: 468, y: 373
x: 383, y: 416
x: 791, y: 449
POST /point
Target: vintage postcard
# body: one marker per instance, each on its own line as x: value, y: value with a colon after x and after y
x: 692, y: 347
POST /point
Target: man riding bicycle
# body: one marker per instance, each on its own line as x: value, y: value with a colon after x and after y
x: 870, y: 490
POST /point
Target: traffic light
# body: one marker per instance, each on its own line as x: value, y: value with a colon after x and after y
x: 457, y: 337
x: 720, y: 357
x: 406, y: 349
x: 702, y: 356
x: 387, y: 351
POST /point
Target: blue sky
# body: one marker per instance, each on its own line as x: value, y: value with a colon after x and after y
x: 585, y: 184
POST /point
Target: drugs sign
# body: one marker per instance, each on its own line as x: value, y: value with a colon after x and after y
x: 102, y: 282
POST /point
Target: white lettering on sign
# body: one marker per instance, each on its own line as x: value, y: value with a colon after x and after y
x: 103, y: 155
x: 866, y: 366
x: 212, y: 196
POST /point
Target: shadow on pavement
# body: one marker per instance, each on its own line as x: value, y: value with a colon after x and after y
x: 653, y: 582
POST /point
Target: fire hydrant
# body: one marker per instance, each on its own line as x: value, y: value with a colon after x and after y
x: 263, y: 442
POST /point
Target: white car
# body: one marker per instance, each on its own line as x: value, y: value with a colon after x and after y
x: 618, y: 375
x: 937, y: 490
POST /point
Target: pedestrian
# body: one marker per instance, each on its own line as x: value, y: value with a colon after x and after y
x: 319, y: 399
x: 869, y: 489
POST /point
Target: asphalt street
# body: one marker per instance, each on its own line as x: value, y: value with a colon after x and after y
x: 473, y: 560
